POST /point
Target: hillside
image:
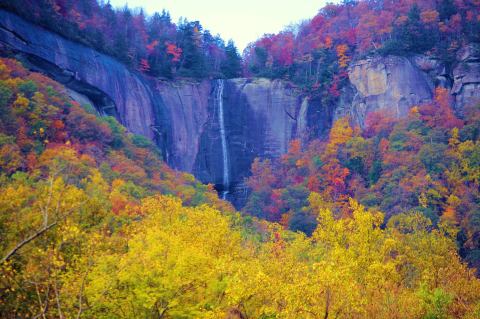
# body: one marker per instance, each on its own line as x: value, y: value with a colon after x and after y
x: 87, y: 233
x: 146, y: 170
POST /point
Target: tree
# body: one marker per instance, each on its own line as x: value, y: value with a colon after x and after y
x: 440, y: 113
x: 174, y: 52
x: 232, y: 66
x: 192, y: 63
x: 410, y: 35
x: 343, y: 59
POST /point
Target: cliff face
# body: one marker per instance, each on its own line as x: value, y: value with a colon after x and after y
x: 466, y: 74
x: 260, y: 116
x: 393, y: 84
x: 181, y: 110
x: 104, y: 80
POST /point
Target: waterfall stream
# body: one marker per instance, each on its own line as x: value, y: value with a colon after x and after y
x: 221, y: 120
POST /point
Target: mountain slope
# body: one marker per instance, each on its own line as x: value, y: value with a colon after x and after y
x: 87, y: 233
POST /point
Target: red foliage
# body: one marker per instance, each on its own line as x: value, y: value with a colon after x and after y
x: 144, y: 65
x: 174, y: 51
x: 439, y: 113
x: 379, y: 123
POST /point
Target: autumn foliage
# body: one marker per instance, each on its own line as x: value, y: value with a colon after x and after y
x: 316, y: 53
x: 153, y: 45
x: 424, y: 163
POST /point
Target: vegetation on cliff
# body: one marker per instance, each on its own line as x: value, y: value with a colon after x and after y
x: 316, y: 53
x: 150, y: 44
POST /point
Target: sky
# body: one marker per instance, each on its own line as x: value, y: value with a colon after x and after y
x: 243, y: 21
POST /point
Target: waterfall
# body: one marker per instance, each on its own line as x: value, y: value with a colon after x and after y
x: 221, y: 120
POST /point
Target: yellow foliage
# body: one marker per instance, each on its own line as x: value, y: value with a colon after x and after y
x: 21, y: 103
x: 193, y: 263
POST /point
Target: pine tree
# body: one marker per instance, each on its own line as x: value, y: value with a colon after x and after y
x: 232, y: 66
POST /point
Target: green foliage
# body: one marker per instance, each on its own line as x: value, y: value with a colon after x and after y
x: 411, y: 36
x: 232, y: 66
x: 437, y: 303
x: 140, y: 141
x: 117, y: 131
x: 6, y: 139
x: 5, y: 95
x: 432, y: 157
x: 446, y: 9
x: 28, y: 88
x: 375, y: 172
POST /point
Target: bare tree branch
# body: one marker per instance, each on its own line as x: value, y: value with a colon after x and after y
x: 27, y: 240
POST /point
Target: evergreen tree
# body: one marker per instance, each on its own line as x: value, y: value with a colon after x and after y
x: 410, y: 36
x: 232, y: 65
x: 190, y: 40
x: 446, y: 9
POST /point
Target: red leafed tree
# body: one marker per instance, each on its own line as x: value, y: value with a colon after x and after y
x: 379, y: 123
x: 439, y: 113
x: 262, y: 175
x: 151, y: 47
x: 174, y: 51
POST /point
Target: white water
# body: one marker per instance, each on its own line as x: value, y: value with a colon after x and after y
x: 221, y: 121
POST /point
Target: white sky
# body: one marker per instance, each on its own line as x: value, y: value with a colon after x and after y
x: 244, y: 21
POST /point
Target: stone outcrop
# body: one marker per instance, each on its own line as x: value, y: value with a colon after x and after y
x: 393, y: 84
x: 466, y: 75
x: 181, y: 113
x: 108, y: 83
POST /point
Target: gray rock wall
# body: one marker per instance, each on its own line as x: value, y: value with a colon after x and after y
x: 393, y: 84
x: 466, y: 75
x: 83, y: 69
x: 261, y: 116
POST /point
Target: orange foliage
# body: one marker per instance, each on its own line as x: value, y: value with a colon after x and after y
x: 429, y: 16
x: 341, y: 132
x: 262, y: 175
x: 144, y: 66
x: 328, y: 42
x: 174, y: 51
x: 10, y: 158
x: 343, y: 59
x: 151, y: 47
x: 379, y: 123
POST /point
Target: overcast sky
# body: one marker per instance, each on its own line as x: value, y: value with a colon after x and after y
x: 241, y: 20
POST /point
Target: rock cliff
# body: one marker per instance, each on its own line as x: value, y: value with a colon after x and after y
x: 393, y: 84
x: 260, y: 116
x: 466, y: 74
